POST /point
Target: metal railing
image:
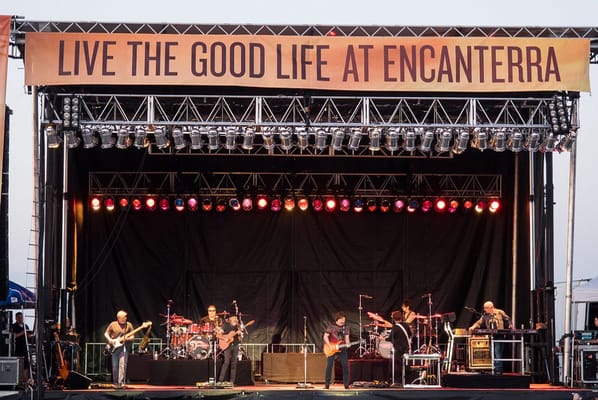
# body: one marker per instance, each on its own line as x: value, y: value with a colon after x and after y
x: 94, y: 358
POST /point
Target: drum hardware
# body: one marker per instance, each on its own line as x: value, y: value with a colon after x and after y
x: 362, y: 350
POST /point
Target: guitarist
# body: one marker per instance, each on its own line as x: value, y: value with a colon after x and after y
x: 116, y: 331
x: 229, y: 333
x: 337, y: 333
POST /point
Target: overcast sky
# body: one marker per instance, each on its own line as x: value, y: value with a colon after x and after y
x: 578, y: 13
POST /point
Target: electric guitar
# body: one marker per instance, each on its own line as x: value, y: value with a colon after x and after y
x: 224, y: 340
x: 63, y: 371
x: 120, y: 340
x: 334, y: 347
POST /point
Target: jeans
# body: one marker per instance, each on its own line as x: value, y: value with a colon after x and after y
x: 342, y: 356
x: 119, y: 366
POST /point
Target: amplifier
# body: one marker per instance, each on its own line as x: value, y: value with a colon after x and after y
x: 10, y: 370
x: 479, y: 353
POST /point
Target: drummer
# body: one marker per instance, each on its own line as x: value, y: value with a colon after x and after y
x: 210, y: 322
x: 409, y: 316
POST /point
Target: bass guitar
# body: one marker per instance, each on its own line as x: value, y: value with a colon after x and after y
x: 334, y: 347
x: 63, y: 371
x: 224, y: 340
x: 120, y: 340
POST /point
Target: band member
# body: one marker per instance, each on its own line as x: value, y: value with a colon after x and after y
x: 210, y: 322
x: 595, y: 340
x: 228, y: 335
x: 400, y: 336
x: 19, y: 330
x: 409, y: 316
x: 116, y: 333
x: 337, y: 333
x: 494, y: 318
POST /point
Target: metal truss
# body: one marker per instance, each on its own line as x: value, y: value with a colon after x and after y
x: 20, y: 27
x: 318, y: 125
x: 229, y: 184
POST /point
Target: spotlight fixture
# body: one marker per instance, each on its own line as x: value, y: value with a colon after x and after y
x: 123, y: 138
x: 164, y: 203
x: 192, y: 203
x: 178, y: 138
x: 358, y: 205
x: 412, y: 205
x: 533, y: 141
x: 409, y: 140
x: 549, y: 143
x: 317, y: 204
x: 123, y: 203
x: 302, y: 138
x: 140, y: 138
x: 384, y: 205
x: 371, y: 205
x: 160, y: 137
x: 247, y: 203
x: 344, y: 204
x: 268, y: 139
x: 480, y: 139
x: 354, y: 139
x: 221, y: 205
x: 426, y: 205
x: 330, y: 204
x: 136, y: 204
x: 321, y: 138
x: 276, y: 204
x: 480, y: 206
x: 392, y: 140
x: 444, y: 141
x: 568, y: 140
x: 426, y: 141
x: 71, y: 139
x: 52, y: 137
x: 286, y: 136
x: 234, y: 203
x: 75, y: 111
x: 440, y: 205
x: 398, y: 205
x: 467, y: 205
x: 95, y: 203
x: 179, y: 204
x: 248, y: 136
x: 206, y: 204
x: 303, y: 203
x: 150, y: 203
x: 515, y: 142
x: 195, y: 135
x: 461, y: 143
x: 499, y: 140
x: 493, y: 205
x: 106, y: 136
x: 66, y: 112
x: 109, y: 203
x: 337, y: 139
x: 558, y: 116
x: 213, y: 140
x: 89, y: 140
x: 289, y: 203
x: 230, y: 139
x: 262, y: 202
x: 453, y: 206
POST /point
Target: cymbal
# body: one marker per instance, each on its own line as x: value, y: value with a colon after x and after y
x: 182, y: 321
x: 437, y: 316
x: 420, y: 317
x: 377, y: 324
x: 223, y: 313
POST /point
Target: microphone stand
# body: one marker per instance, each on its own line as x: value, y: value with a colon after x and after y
x: 362, y: 349
x: 304, y: 384
x: 166, y: 352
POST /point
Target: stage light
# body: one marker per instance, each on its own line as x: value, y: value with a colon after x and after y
x: 160, y: 137
x: 317, y: 204
x: 109, y: 203
x: 533, y: 142
x: 140, y: 140
x: 321, y: 138
x: 178, y: 139
x: 302, y: 138
x: 136, y: 204
x: 95, y: 203
x: 409, y: 141
x: 248, y: 137
x: 230, y: 139
x: 558, y: 115
x: 444, y: 141
x: 392, y: 140
x: 426, y: 206
x: 247, y: 203
x: 71, y: 139
x: 467, y: 205
x: 398, y: 205
x: 75, y: 112
x: 303, y: 203
x: 234, y: 203
x: 453, y: 206
x: 106, y: 137
x: 371, y: 205
x: 354, y: 139
x: 330, y: 204
x: 192, y: 203
x: 66, y: 112
x: 52, y: 137
x: 549, y: 143
x: 499, y: 140
x: 426, y: 141
x: 566, y: 143
x: 337, y: 139
x: 440, y: 205
x: 374, y: 139
x: 493, y: 205
x: 480, y: 206
x: 213, y: 140
x: 384, y: 205
x: 276, y: 204
x: 179, y: 204
x: 358, y: 205
x: 206, y: 204
x: 164, y: 203
x: 268, y: 139
x: 480, y: 139
x: 286, y: 142
x: 221, y: 205
x: 289, y: 203
x: 123, y: 138
x: 195, y: 135
x: 344, y: 204
x: 515, y: 142
x: 412, y: 205
x: 89, y: 140
x: 461, y: 142
x: 262, y: 202
x: 150, y: 203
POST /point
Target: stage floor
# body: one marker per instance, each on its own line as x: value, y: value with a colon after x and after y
x: 280, y: 391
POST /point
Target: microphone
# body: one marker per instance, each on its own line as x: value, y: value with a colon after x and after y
x: 469, y: 309
x: 170, y: 301
x: 234, y: 302
x: 426, y: 295
x: 365, y: 296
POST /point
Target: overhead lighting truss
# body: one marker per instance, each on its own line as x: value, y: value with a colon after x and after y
x: 405, y: 126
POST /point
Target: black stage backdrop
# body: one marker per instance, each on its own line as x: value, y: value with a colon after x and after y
x: 287, y: 267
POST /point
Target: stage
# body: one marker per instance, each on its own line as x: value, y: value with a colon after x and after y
x: 279, y: 391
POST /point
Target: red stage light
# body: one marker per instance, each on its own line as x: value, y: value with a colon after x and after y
x: 344, y: 204
x: 150, y: 203
x: 276, y: 204
x: 123, y: 202
x: 372, y: 205
x: 384, y: 205
x: 247, y: 203
x: 164, y: 203
x: 221, y: 205
x: 317, y: 204
x: 289, y: 203
x: 440, y: 205
x: 137, y: 204
x: 398, y: 206
x: 303, y: 203
x: 480, y: 206
x: 467, y: 205
x: 426, y: 206
x: 453, y: 206
x: 109, y: 203
x: 494, y: 205
x: 262, y: 202
x: 179, y: 204
x: 95, y: 203
x: 358, y: 205
x: 330, y: 204
x: 192, y: 203
x: 206, y: 204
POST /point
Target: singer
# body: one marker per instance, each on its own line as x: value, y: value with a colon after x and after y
x: 494, y: 318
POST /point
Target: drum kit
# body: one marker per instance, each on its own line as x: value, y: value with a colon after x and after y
x: 187, y: 339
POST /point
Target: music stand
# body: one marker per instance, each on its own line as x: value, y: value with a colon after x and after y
x: 304, y: 384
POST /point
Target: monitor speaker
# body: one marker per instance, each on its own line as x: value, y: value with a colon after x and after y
x: 76, y: 381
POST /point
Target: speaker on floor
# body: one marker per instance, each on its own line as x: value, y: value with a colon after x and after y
x: 77, y: 381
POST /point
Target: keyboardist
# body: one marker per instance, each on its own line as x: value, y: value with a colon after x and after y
x: 493, y: 318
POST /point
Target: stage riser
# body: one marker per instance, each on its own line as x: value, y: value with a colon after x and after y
x: 486, y: 381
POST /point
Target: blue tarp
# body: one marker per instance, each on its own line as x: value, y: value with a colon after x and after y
x: 18, y: 297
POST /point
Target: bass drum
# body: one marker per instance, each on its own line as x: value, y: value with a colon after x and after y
x: 198, y: 347
x: 385, y: 349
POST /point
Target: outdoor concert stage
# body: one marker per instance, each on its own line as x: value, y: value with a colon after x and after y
x: 279, y: 391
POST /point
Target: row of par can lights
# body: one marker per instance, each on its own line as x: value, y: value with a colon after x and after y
x: 290, y: 203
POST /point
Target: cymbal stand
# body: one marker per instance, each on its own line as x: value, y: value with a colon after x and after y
x: 243, y: 331
x: 304, y: 384
x: 417, y: 324
x: 362, y: 349
x: 429, y: 296
x: 167, y: 351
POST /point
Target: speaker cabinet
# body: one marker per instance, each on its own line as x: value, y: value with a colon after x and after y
x: 479, y: 353
x: 77, y: 381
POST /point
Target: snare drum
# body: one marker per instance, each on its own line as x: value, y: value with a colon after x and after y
x: 385, y: 349
x: 198, y: 347
x: 194, y: 329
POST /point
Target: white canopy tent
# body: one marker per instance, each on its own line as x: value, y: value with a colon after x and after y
x: 587, y: 293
